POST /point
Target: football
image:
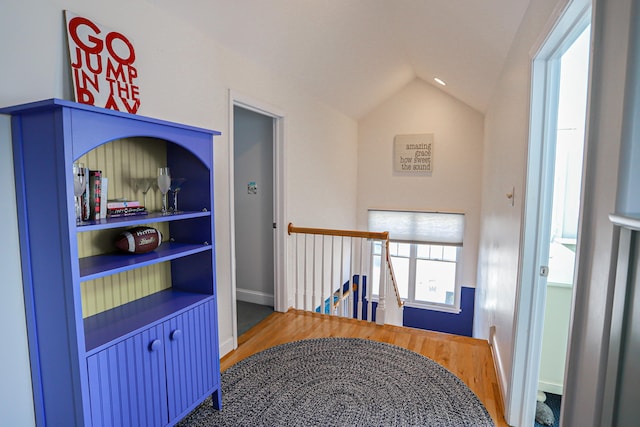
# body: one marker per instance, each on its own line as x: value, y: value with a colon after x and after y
x: 139, y: 240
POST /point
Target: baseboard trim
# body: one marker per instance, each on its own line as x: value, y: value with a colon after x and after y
x: 497, y: 365
x: 254, y: 297
x: 550, y: 387
x: 226, y: 347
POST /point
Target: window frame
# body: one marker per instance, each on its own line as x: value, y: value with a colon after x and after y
x: 410, y: 300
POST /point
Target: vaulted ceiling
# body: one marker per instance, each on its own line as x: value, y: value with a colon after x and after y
x: 353, y: 54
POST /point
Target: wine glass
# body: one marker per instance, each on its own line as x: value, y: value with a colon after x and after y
x: 147, y: 183
x: 135, y: 184
x: 164, y: 183
x: 176, y: 186
x: 79, y: 187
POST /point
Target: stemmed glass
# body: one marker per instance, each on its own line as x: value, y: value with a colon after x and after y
x: 147, y: 183
x: 176, y: 186
x: 164, y: 183
x: 79, y: 186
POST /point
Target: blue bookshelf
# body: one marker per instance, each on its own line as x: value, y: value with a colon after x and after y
x: 82, y: 371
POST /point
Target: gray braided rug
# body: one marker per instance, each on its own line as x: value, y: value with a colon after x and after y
x: 341, y: 382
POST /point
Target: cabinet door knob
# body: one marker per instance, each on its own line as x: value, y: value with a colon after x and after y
x: 176, y: 335
x: 155, y: 345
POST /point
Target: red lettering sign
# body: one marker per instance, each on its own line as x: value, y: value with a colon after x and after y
x: 102, y: 65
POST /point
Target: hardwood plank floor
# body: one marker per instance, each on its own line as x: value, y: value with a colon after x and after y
x: 468, y: 358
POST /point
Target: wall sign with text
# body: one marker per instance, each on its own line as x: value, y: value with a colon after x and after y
x: 413, y: 154
x: 102, y: 65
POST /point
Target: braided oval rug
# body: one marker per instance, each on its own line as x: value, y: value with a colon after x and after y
x: 340, y: 382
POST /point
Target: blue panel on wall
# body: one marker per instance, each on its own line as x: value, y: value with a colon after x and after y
x: 458, y: 324
x: 432, y: 320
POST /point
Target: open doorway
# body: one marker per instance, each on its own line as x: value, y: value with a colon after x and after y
x: 256, y: 209
x: 552, y: 216
x: 254, y: 216
x: 564, y: 207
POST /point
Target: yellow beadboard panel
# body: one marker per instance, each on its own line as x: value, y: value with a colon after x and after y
x: 130, y: 165
x: 105, y: 293
x: 98, y: 242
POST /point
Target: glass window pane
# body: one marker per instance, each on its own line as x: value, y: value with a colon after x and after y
x: 423, y: 251
x: 404, y: 249
x: 377, y: 248
x: 401, y: 270
x: 393, y: 248
x: 450, y: 253
x: 436, y: 251
x: 435, y: 281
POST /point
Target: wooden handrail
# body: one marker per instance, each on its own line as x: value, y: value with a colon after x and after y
x: 393, y: 276
x: 383, y: 235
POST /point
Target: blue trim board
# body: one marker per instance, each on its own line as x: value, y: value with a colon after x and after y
x: 420, y: 318
x: 451, y: 323
x: 355, y: 298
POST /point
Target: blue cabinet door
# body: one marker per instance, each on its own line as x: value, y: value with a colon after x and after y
x: 127, y: 382
x: 191, y: 358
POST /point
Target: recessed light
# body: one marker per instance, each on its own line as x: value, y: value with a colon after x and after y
x: 439, y: 81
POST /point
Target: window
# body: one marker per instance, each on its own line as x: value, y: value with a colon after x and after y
x: 424, y: 249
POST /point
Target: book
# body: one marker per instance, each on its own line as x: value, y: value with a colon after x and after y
x: 84, y: 198
x: 114, y: 204
x: 104, y: 194
x: 95, y: 193
x: 84, y: 201
x: 120, y: 212
x: 127, y: 214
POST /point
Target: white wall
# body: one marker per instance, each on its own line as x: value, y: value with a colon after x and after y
x: 184, y: 77
x: 455, y: 183
x: 15, y: 388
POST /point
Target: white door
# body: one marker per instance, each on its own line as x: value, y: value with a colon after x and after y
x: 551, y: 217
x: 561, y: 209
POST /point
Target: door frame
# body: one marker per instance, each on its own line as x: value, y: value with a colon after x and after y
x: 237, y: 99
x: 568, y: 21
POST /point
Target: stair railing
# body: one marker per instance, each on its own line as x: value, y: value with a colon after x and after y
x: 341, y: 273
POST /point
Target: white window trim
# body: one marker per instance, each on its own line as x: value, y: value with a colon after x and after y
x: 434, y: 307
x: 446, y: 308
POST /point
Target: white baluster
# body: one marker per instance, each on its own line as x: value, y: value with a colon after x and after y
x: 314, y: 294
x: 340, y: 307
x: 382, y: 299
x: 350, y: 297
x: 331, y: 277
x: 360, y: 287
x: 306, y: 288
x: 297, y: 274
x: 322, y: 283
x: 369, y: 270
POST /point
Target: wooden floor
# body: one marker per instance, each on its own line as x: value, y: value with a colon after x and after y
x: 468, y: 358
